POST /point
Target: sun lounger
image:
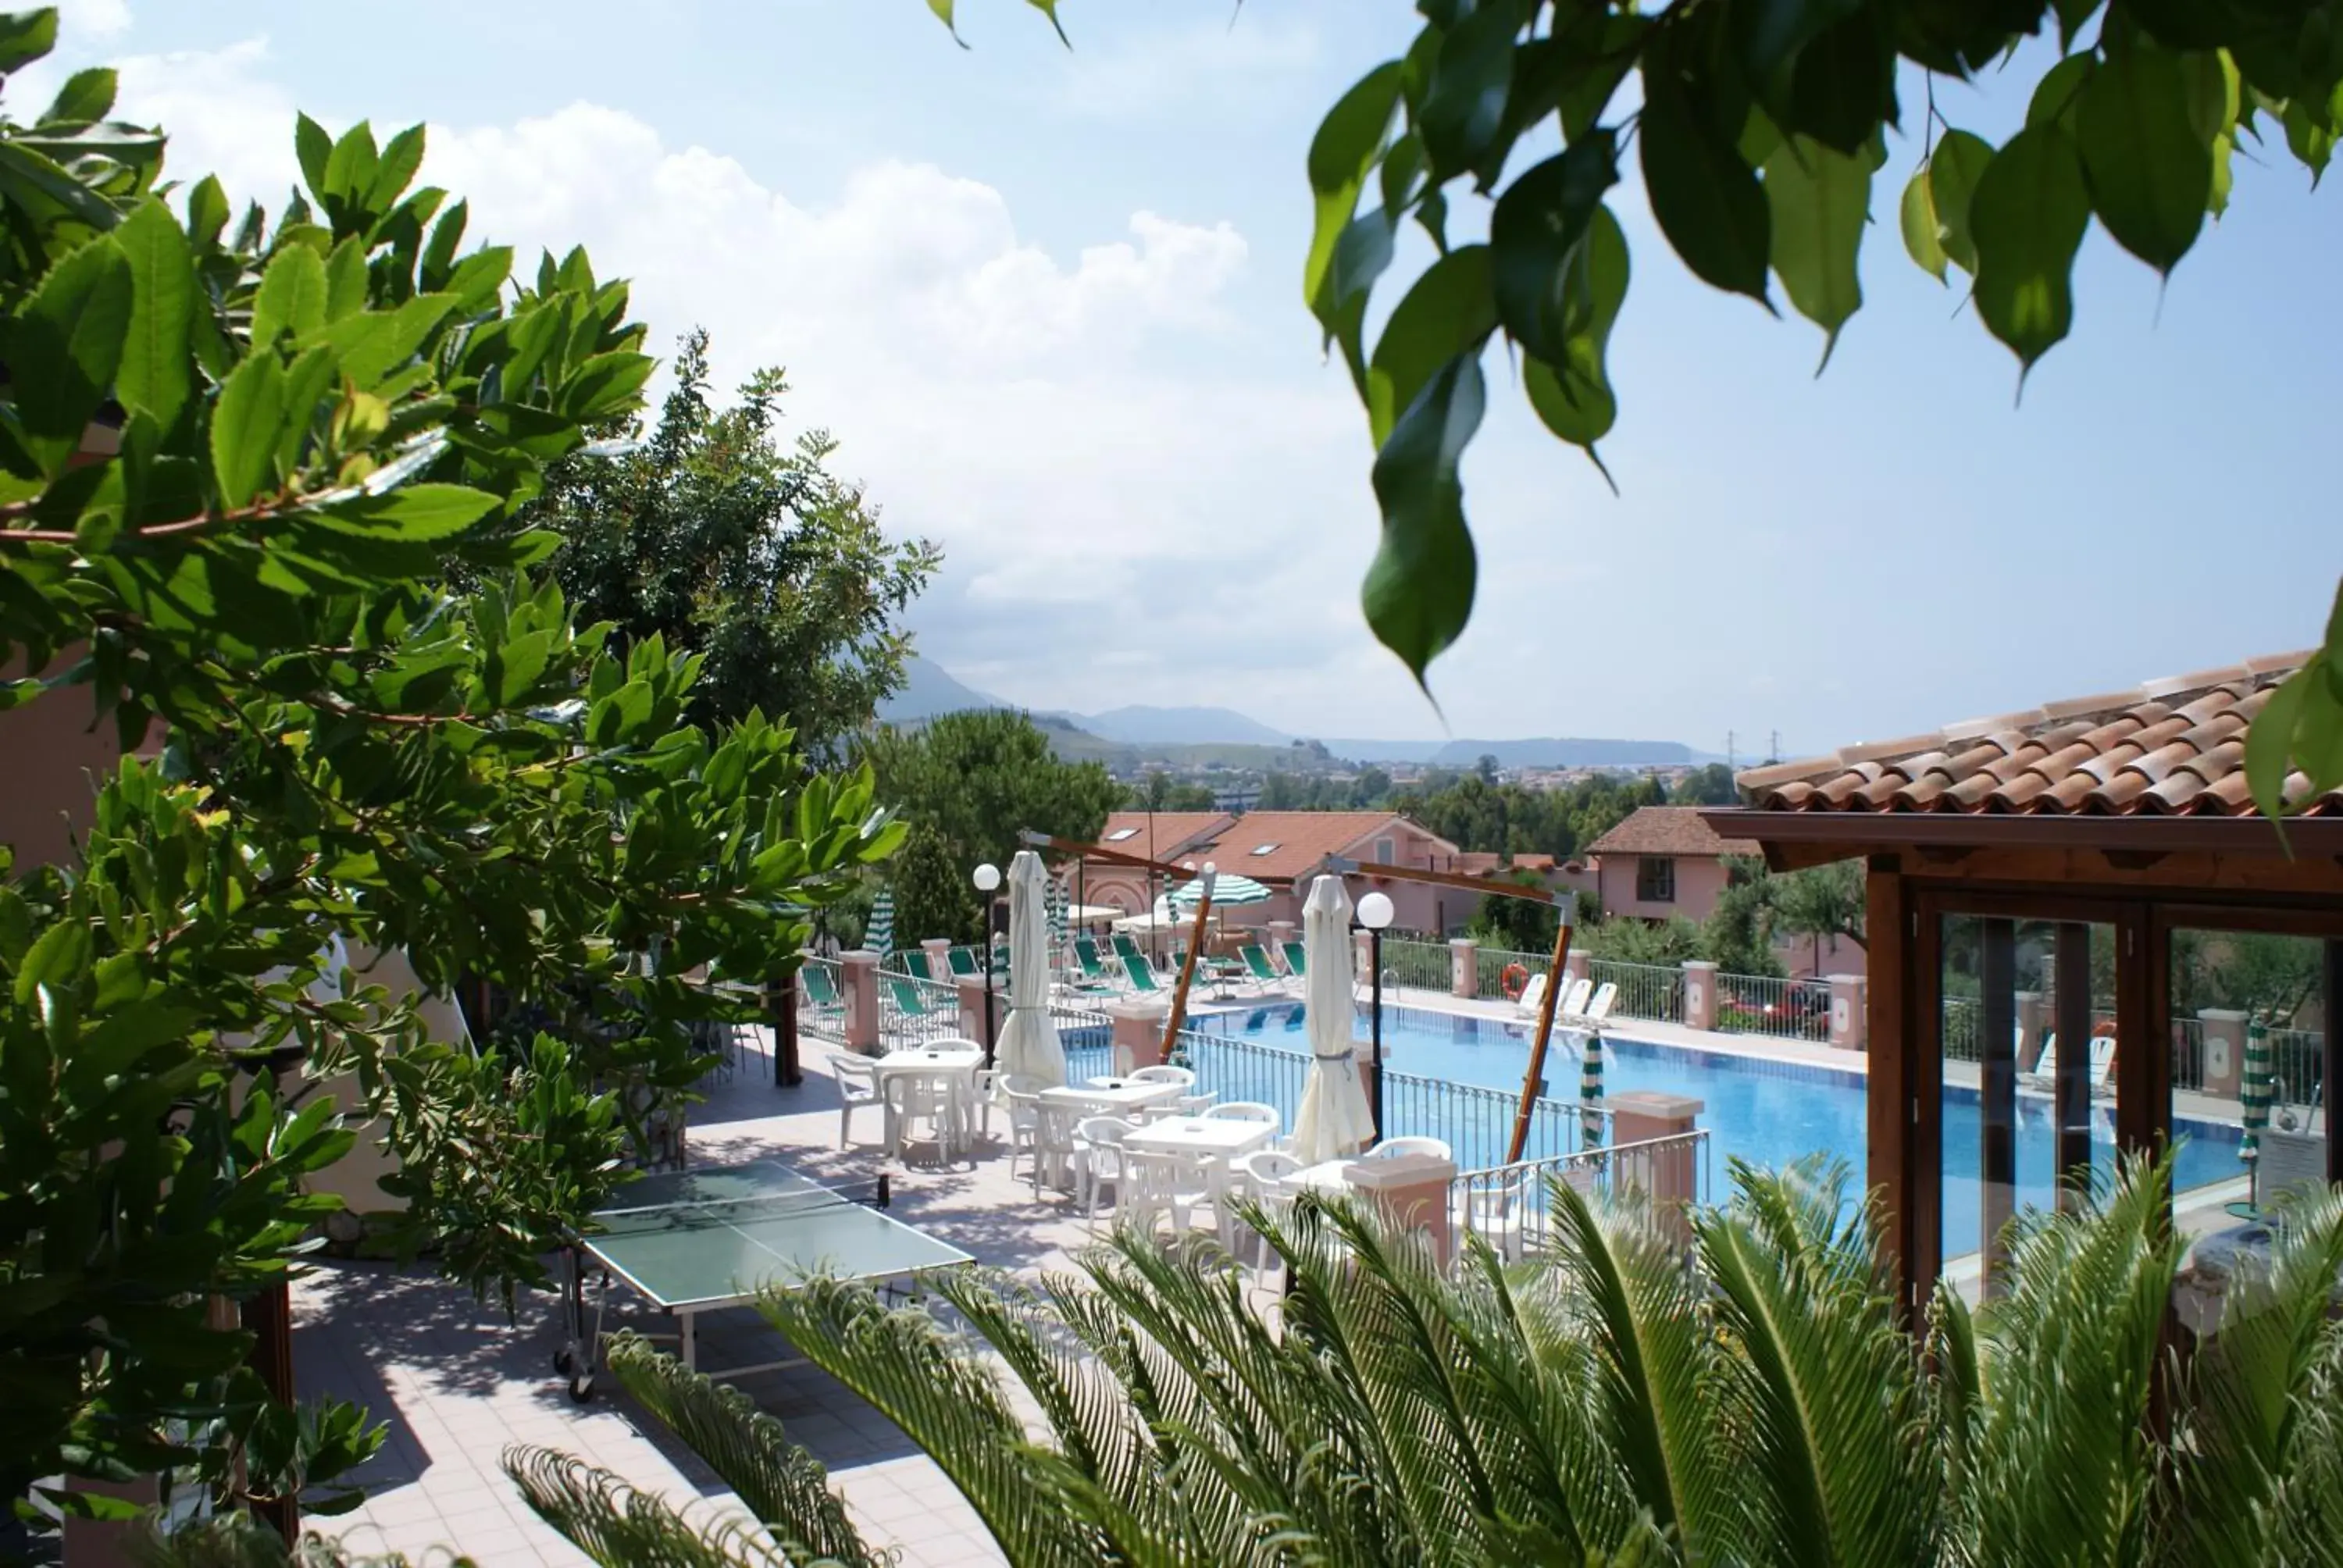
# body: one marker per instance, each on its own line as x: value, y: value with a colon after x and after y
x: 1256, y: 962
x: 915, y: 964
x: 820, y: 991
x: 1143, y: 979
x: 909, y: 1000
x: 963, y: 963
x: 1095, y: 969
x: 2045, y: 1075
x: 1296, y: 963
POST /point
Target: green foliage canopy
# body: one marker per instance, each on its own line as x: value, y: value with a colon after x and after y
x: 755, y: 557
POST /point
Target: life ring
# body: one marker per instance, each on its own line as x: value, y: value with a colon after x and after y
x: 1514, y: 981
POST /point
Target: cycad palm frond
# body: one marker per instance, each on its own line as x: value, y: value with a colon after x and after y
x: 620, y: 1527
x: 2066, y: 1458
x: 1652, y: 1336
x: 2259, y: 1472
x: 1825, y: 1386
x: 779, y: 1482
x: 946, y: 1400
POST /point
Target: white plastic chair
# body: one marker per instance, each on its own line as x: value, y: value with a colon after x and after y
x: 1245, y: 1111
x: 1497, y: 1212
x: 930, y: 1097
x: 858, y: 1086
x: 1053, y: 1140
x: 1266, y: 1177
x: 1400, y: 1148
x: 1176, y: 1184
x: 1022, y: 1094
x: 1166, y: 1073
x: 1098, y: 1160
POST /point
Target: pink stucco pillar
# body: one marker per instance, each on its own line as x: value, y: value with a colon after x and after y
x: 1700, y: 994
x: 1463, y: 966
x: 939, y: 951
x: 2225, y: 1050
x: 1362, y: 956
x: 858, y: 981
x: 1669, y: 1176
x: 1281, y: 932
x: 1136, y: 1037
x: 1847, y: 1011
x: 2033, y: 1018
x: 1411, y: 1192
x: 970, y: 991
x: 1575, y: 966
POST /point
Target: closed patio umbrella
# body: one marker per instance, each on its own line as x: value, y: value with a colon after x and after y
x: 879, y: 935
x: 1334, y: 1119
x: 2253, y: 1089
x: 1029, y: 1037
x: 1590, y: 1090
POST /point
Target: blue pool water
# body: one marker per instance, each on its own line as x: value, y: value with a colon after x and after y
x: 1767, y: 1112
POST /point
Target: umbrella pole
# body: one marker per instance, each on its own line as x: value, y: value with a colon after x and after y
x: 1179, y: 1013
x: 1536, y: 1074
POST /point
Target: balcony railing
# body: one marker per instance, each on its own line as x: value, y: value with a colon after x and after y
x: 1654, y: 991
x: 1510, y: 1206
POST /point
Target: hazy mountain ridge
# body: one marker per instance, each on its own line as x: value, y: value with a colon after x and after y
x: 1139, y: 733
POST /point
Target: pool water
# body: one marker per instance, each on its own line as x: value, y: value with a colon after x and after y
x: 1765, y: 1112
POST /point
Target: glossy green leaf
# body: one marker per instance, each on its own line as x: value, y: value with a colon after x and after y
x: 291, y: 296
x: 1341, y: 154
x: 1918, y: 216
x: 1843, y: 83
x: 1958, y: 162
x: 1418, y: 593
x: 1361, y: 256
x: 401, y: 156
x: 1447, y: 314
x: 2310, y: 137
x: 2059, y: 94
x: 25, y: 37
x: 351, y: 168
x: 1705, y: 199
x: 312, y: 146
x: 1571, y: 395
x: 207, y: 212
x: 2150, y: 170
x: 1534, y: 233
x: 247, y: 420
x: 87, y: 95
x: 414, y: 514
x: 345, y: 279
x: 2214, y: 92
x: 1819, y: 200
x: 2028, y: 217
x: 154, y: 374
x: 378, y: 343
x: 2270, y: 741
x: 1464, y: 107
x: 943, y: 10
x: 62, y: 348
x: 1050, y: 8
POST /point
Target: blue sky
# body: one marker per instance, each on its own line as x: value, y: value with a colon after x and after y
x: 1049, y: 302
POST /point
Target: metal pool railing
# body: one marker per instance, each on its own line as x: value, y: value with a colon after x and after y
x: 1652, y: 991
x: 914, y: 1011
x: 2299, y: 1058
x: 1475, y: 1121
x: 1422, y: 965
x: 1779, y: 1008
x: 1510, y: 1206
x: 2187, y: 1053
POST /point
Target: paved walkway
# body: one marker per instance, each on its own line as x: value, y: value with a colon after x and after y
x: 459, y: 1381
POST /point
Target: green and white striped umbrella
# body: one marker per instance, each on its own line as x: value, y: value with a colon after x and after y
x: 1054, y: 902
x: 1590, y: 1089
x: 2255, y: 1089
x: 879, y: 936
x: 1228, y: 888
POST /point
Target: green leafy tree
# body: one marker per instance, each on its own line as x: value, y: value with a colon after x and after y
x: 967, y: 784
x: 1157, y: 791
x: 1516, y: 925
x: 1619, y: 1398
x: 1706, y: 785
x: 715, y: 536
x: 1821, y: 902
x: 312, y: 424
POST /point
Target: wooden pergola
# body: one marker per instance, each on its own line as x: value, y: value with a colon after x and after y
x: 2125, y: 812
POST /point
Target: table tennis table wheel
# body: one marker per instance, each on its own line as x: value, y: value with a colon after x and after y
x: 582, y: 1389
x: 564, y: 1360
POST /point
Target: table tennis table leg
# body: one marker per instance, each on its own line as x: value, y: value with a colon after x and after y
x: 690, y: 1341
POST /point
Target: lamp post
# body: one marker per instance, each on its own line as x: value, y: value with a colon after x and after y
x: 1375, y: 913
x: 988, y: 879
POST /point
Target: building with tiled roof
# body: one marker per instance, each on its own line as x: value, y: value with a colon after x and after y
x: 2170, y: 747
x: 1281, y: 850
x: 1662, y: 860
x: 2008, y: 863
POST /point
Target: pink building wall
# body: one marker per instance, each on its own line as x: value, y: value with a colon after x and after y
x: 1699, y: 879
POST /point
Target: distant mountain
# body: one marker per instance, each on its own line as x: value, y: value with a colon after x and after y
x: 927, y: 690
x: 1142, y: 726
x: 1549, y: 752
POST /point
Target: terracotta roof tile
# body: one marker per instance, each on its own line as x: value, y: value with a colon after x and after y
x: 1668, y: 830
x: 2173, y: 746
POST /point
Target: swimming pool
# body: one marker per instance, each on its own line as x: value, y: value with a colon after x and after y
x: 1767, y: 1112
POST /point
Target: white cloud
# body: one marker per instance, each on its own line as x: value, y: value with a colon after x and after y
x: 1115, y: 521
x: 85, y: 21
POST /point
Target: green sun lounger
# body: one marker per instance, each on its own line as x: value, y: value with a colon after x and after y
x: 909, y: 1001
x: 1257, y: 964
x: 915, y: 964
x: 821, y: 991
x: 1143, y: 979
x: 1086, y: 953
x: 1294, y: 964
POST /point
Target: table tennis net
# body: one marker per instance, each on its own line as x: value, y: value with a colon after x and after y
x: 708, y: 1213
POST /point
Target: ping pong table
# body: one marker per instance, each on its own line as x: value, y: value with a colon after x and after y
x: 699, y: 1241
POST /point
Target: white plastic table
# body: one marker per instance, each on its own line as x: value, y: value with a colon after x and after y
x: 1224, y: 1138
x: 959, y: 1066
x: 1115, y: 1096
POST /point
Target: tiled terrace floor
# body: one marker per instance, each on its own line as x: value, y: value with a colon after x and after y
x: 459, y: 1381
